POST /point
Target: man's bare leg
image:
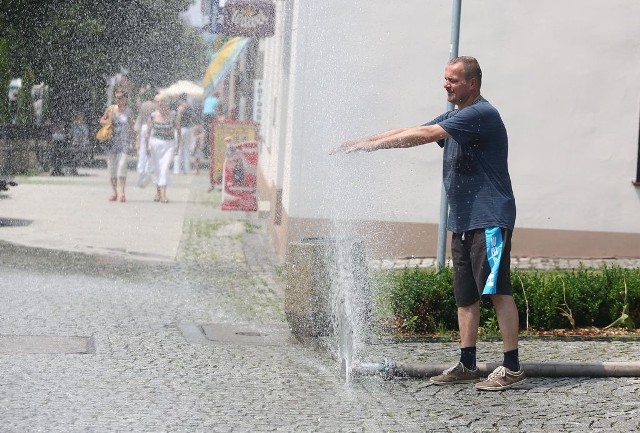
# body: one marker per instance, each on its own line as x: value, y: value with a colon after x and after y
x: 468, y: 322
x: 507, y: 314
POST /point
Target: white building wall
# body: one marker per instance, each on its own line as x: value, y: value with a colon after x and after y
x: 564, y: 76
x: 567, y: 86
x: 273, y: 86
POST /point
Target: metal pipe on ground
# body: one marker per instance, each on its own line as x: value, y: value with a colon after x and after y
x: 389, y: 369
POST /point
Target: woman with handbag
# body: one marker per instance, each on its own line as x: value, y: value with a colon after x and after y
x: 121, y: 120
x: 163, y: 130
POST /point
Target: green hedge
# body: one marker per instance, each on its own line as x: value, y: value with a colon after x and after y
x: 423, y: 299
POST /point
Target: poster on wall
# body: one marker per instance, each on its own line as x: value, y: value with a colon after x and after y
x: 238, y: 131
x: 239, y: 178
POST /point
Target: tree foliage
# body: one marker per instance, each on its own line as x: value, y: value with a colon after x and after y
x: 4, y: 82
x: 75, y: 45
x: 25, y: 114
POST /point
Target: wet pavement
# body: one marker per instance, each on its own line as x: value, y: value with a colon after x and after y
x: 149, y: 317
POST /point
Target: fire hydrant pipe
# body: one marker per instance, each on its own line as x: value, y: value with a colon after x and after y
x: 532, y: 369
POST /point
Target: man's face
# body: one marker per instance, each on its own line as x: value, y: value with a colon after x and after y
x: 456, y: 84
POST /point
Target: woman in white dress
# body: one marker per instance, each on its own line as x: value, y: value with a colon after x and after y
x: 163, y: 130
x: 144, y: 166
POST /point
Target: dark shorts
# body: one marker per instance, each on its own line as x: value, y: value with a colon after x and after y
x: 481, y: 264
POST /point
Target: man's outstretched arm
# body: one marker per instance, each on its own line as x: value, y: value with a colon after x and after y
x: 395, y: 138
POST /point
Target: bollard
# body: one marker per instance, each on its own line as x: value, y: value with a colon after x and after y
x: 310, y: 271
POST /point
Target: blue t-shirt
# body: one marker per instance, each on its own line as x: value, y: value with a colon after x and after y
x: 475, y: 171
x: 209, y: 106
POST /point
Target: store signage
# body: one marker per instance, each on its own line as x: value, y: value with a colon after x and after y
x: 258, y: 92
x: 239, y: 182
x: 251, y: 18
x: 238, y: 132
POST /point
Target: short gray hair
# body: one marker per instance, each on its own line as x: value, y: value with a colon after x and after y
x: 471, y: 67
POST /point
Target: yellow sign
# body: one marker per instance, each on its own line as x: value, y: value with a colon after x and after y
x: 239, y: 131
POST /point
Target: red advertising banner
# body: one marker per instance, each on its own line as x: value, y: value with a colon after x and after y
x: 239, y: 181
x: 238, y: 131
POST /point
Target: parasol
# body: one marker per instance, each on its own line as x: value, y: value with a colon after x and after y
x: 183, y: 87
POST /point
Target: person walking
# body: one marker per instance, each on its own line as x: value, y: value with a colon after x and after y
x: 187, y: 119
x: 198, y: 145
x: 80, y: 147
x: 163, y: 130
x: 59, y: 148
x: 119, y: 117
x: 482, y: 215
x: 211, y: 112
x: 144, y: 165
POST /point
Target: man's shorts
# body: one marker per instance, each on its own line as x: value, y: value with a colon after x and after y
x: 481, y: 264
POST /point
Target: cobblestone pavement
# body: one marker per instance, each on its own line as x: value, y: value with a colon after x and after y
x: 157, y: 357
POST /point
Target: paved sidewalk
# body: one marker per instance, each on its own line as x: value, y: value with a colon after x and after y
x: 150, y: 317
x: 73, y: 214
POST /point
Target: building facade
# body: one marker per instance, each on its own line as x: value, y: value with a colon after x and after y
x: 564, y: 76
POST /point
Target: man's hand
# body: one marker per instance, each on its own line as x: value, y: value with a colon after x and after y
x: 354, y: 146
x: 395, y: 138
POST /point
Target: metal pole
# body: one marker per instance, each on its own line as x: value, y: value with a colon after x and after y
x: 444, y: 204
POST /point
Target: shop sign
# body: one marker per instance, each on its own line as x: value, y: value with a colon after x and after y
x: 251, y: 18
x: 258, y: 92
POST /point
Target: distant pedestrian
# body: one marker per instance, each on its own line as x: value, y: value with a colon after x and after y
x: 160, y: 141
x: 80, y: 145
x: 210, y: 108
x: 59, y: 148
x: 144, y: 166
x: 198, y: 146
x: 211, y: 112
x: 121, y: 120
x: 482, y: 215
x: 187, y: 119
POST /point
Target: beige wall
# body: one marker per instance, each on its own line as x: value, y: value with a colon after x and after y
x: 401, y: 240
x: 386, y: 240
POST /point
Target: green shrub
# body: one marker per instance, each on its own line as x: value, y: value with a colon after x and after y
x: 423, y: 299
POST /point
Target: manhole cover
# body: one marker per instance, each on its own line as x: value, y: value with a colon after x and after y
x: 14, y: 222
x: 46, y: 344
x: 259, y: 335
x: 251, y: 334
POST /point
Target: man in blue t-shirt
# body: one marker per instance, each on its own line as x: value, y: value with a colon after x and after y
x: 482, y: 215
